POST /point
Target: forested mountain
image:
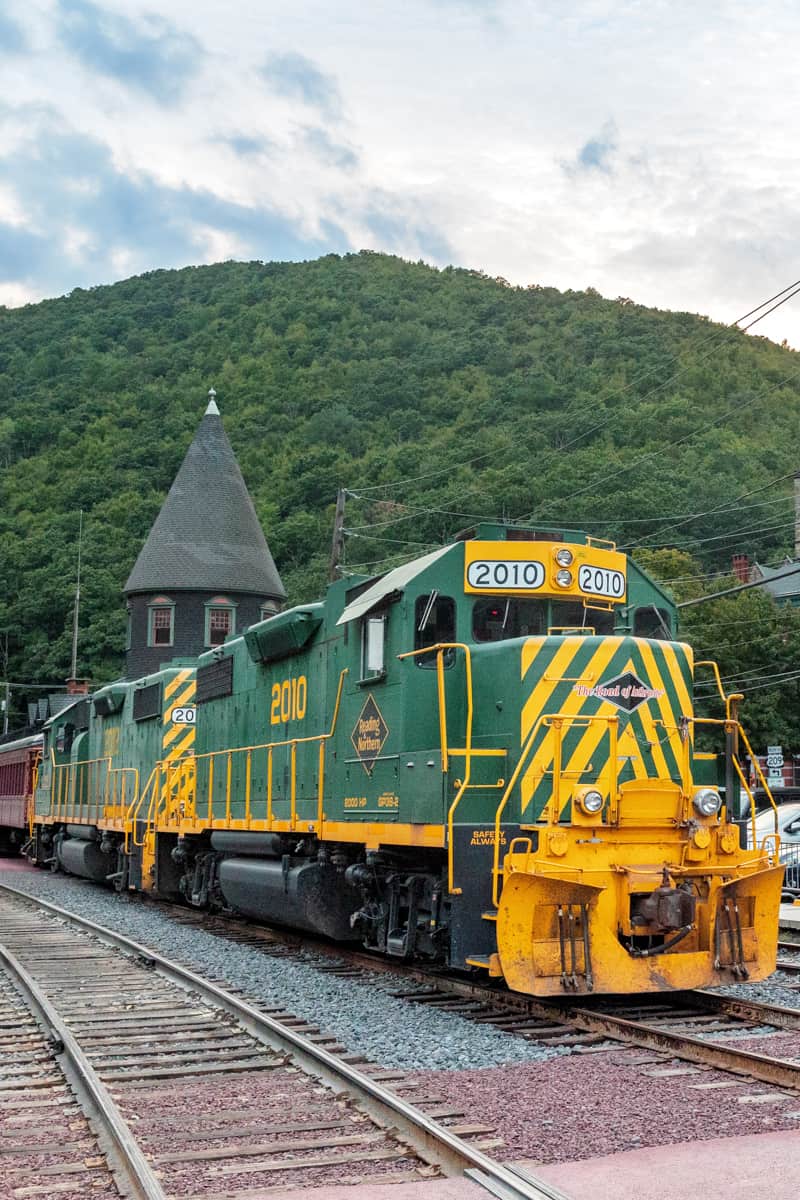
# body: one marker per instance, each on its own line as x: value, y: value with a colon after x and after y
x: 434, y: 396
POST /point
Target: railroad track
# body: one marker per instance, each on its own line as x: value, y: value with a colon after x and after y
x: 790, y: 965
x: 678, y: 1026
x: 40, y: 1115
x: 202, y: 1095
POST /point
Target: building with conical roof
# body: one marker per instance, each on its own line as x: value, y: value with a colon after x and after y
x: 205, y: 571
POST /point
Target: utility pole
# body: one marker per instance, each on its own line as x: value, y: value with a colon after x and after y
x: 7, y: 703
x: 337, y: 545
x: 76, y: 614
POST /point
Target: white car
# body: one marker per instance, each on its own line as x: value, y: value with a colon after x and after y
x: 788, y: 825
x: 789, y: 830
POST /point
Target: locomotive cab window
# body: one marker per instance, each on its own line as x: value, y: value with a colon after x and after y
x: 65, y: 738
x: 652, y: 622
x: 496, y: 618
x: 373, y: 646
x: 434, y: 623
x: 571, y: 614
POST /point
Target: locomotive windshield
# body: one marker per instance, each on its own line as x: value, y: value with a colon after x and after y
x: 494, y: 619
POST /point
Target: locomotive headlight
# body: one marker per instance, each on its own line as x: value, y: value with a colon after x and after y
x: 564, y: 557
x: 564, y: 578
x: 707, y: 801
x: 591, y: 802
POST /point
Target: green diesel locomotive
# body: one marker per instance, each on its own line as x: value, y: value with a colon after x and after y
x: 483, y: 758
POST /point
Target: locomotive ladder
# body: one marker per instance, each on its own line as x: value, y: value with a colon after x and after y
x: 468, y: 752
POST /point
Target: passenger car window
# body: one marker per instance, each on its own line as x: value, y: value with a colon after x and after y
x: 496, y: 618
x: 434, y: 623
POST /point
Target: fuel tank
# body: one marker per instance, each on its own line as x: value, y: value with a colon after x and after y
x: 85, y: 858
x: 308, y: 896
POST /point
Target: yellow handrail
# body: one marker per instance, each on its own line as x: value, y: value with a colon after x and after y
x: 555, y: 721
x: 118, y: 774
x: 82, y: 777
x: 730, y: 724
x: 764, y: 783
x: 726, y: 698
x: 37, y: 762
x: 733, y: 725
x: 174, y: 771
x: 132, y: 814
x: 440, y: 648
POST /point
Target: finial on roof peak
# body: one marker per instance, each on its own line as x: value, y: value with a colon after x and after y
x: 212, y: 403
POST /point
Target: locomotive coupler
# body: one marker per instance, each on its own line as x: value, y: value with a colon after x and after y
x: 665, y: 910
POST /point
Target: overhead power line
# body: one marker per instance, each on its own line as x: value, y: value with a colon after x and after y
x: 735, y: 409
x: 743, y: 587
x: 723, y: 507
x: 723, y: 537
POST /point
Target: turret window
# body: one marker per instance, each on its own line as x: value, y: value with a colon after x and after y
x: 161, y: 622
x: 220, y: 620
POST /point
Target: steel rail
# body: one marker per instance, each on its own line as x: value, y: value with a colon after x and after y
x: 776, y: 1071
x: 134, y: 1175
x: 748, y: 1010
x: 434, y: 1142
x: 590, y: 1020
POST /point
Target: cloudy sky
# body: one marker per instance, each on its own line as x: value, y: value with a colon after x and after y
x: 642, y: 147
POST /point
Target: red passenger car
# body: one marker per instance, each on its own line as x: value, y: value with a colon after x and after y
x: 18, y: 763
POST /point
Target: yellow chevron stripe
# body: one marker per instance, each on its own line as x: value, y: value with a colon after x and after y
x: 572, y: 705
x: 176, y: 682
x: 674, y: 666
x: 629, y: 748
x: 542, y: 691
x: 581, y: 758
x: 173, y: 733
x: 181, y: 748
x: 664, y: 705
x: 186, y: 697
x: 529, y: 651
x: 645, y: 713
x: 654, y: 737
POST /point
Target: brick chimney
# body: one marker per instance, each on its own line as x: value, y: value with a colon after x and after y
x: 77, y: 687
x: 741, y: 567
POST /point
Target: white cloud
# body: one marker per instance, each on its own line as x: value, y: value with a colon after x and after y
x: 440, y: 127
x: 12, y: 295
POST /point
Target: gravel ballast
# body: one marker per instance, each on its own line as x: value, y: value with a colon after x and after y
x: 362, y: 1016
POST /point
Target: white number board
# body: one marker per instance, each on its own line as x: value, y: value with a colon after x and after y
x: 600, y: 581
x: 183, y: 716
x: 519, y: 574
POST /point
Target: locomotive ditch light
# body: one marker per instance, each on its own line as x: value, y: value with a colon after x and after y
x: 564, y: 578
x: 707, y: 801
x: 564, y: 557
x: 591, y: 801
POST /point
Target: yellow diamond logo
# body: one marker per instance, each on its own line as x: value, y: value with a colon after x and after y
x: 370, y: 733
